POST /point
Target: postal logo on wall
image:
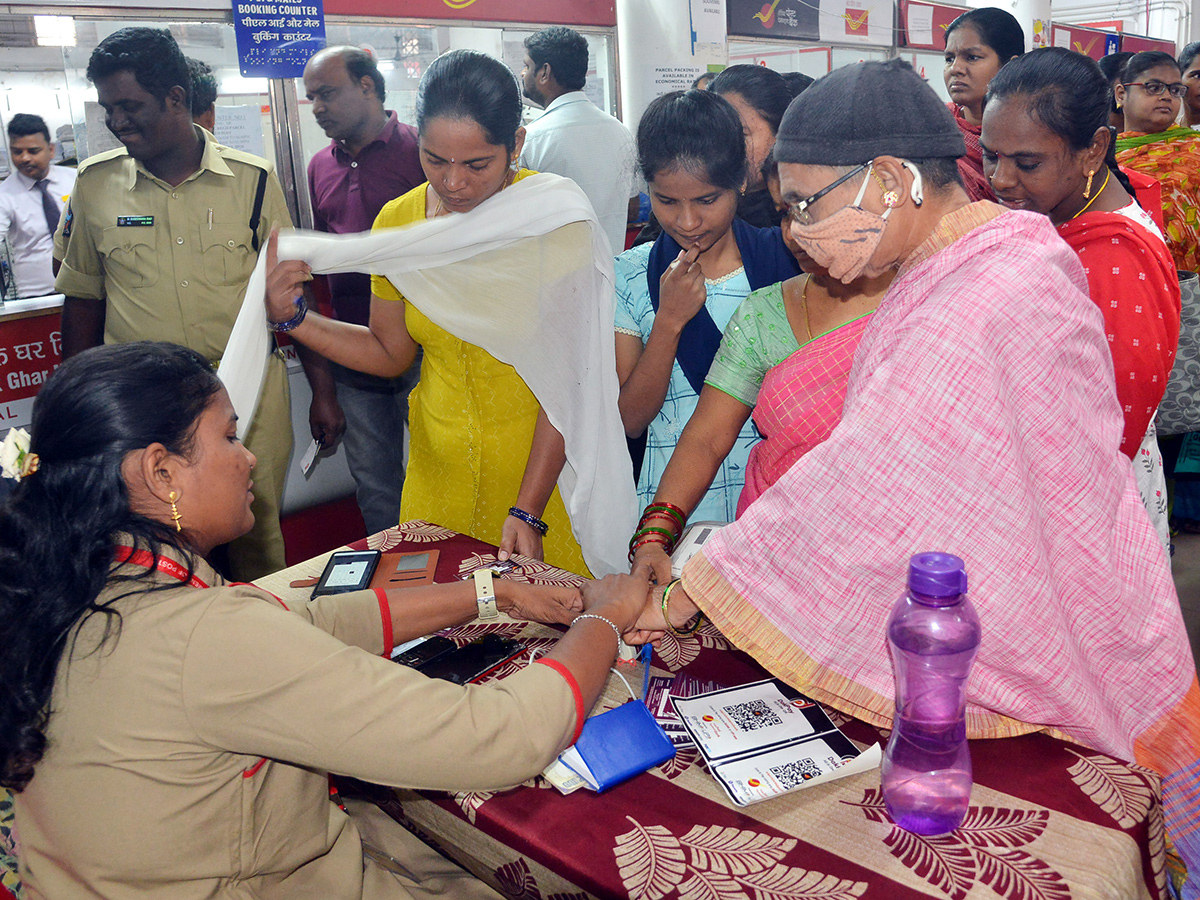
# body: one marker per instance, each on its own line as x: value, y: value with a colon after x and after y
x: 775, y: 19
x: 857, y: 21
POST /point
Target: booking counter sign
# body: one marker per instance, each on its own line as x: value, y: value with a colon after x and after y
x: 275, y: 38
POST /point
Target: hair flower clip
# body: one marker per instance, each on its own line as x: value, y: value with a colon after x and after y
x: 16, y: 460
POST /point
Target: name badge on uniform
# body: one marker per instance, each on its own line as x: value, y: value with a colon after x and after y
x: 127, y: 221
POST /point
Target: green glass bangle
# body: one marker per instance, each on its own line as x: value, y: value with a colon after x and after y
x: 654, y: 529
x: 673, y: 511
x: 696, y: 621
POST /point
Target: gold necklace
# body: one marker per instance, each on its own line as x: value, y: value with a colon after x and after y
x: 804, y: 303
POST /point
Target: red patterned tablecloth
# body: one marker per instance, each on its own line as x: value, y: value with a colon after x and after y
x: 1048, y: 820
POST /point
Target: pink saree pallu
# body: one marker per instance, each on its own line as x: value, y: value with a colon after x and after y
x: 981, y: 418
x: 799, y: 404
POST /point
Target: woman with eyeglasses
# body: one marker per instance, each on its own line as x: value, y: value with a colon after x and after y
x: 980, y: 419
x: 675, y: 297
x: 1149, y: 93
x: 1047, y: 148
x: 978, y: 44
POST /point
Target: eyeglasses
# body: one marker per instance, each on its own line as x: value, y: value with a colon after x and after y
x: 1155, y: 88
x: 798, y: 211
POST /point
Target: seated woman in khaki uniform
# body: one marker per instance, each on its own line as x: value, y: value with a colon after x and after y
x: 169, y: 734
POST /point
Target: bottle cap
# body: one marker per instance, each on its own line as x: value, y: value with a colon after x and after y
x: 937, y: 575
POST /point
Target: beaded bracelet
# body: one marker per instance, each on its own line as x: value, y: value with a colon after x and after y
x: 696, y: 620
x: 529, y: 519
x: 294, y: 321
x: 608, y: 622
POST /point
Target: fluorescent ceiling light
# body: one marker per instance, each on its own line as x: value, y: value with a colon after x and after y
x: 54, y: 31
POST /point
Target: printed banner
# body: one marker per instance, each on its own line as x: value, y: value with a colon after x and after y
x: 1135, y: 43
x: 30, y: 349
x: 777, y: 19
x: 275, y: 38
x: 537, y: 12
x: 1087, y: 41
x: 925, y: 24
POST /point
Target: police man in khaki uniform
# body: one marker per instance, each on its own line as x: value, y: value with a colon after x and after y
x: 161, y: 237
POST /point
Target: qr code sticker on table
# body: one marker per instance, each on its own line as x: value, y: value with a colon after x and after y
x: 753, y: 715
x: 794, y: 774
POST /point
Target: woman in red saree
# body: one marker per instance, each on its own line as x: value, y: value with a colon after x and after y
x: 1048, y: 149
x: 978, y: 44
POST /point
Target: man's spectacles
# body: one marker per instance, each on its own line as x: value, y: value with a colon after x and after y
x: 798, y: 211
x: 1155, y: 88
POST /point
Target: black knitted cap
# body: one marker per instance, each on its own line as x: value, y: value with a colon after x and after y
x: 869, y: 109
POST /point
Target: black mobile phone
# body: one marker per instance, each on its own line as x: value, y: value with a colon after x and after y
x: 474, y: 660
x: 347, y: 570
x: 425, y: 652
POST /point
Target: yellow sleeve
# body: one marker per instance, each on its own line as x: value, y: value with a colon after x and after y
x: 404, y: 210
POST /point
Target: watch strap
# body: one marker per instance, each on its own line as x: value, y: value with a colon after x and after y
x: 485, y: 594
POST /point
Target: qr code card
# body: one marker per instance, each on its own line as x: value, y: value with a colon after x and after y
x: 770, y: 774
x: 734, y: 721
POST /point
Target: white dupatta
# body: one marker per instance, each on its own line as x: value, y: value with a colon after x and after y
x: 528, y: 276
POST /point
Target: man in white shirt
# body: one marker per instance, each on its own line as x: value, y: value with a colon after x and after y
x: 574, y: 138
x: 31, y: 203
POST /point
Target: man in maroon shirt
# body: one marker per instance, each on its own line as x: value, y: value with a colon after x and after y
x: 371, y: 159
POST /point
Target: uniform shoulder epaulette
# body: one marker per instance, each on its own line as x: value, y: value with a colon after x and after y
x: 99, y: 158
x: 232, y: 154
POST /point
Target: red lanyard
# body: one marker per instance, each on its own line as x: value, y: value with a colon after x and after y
x: 167, y: 566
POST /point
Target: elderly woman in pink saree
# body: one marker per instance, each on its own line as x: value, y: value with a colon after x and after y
x: 981, y: 418
x: 784, y: 358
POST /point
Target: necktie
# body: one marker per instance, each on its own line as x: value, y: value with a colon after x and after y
x: 49, y: 207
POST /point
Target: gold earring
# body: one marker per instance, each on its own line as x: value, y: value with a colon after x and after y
x: 891, y: 199
x: 175, y: 516
x: 1087, y: 190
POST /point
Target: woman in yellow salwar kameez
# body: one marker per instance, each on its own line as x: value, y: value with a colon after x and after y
x: 471, y: 424
x: 483, y: 456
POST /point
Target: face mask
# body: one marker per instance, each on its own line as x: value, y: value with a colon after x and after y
x: 845, y: 242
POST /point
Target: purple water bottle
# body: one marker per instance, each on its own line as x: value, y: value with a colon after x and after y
x: 933, y: 632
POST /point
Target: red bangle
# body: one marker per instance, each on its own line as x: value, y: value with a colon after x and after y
x: 580, y: 712
x: 385, y: 612
x: 670, y: 508
x: 649, y: 539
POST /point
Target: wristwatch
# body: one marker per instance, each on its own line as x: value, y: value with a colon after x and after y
x: 485, y: 594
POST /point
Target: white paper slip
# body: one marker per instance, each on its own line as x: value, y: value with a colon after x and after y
x: 562, y: 777
x: 310, y: 456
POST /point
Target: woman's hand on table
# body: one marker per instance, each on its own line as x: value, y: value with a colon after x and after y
x: 651, y: 561
x: 285, y: 281
x: 547, y: 603
x: 681, y: 289
x: 520, y: 537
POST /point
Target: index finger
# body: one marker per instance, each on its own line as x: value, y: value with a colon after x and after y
x: 691, y: 254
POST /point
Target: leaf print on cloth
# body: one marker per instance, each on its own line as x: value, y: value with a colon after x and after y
x: 470, y: 801
x: 983, y: 850
x: 532, y: 571
x: 677, y: 652
x: 517, y: 881
x: 417, y: 531
x: 650, y: 861
x: 684, y: 759
x: 733, y: 850
x: 787, y: 883
x: 722, y: 863
x: 1018, y: 876
x: 1122, y: 794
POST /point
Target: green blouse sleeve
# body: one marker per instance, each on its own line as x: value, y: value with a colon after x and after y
x: 751, y: 344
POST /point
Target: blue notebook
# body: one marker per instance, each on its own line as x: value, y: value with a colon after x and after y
x: 618, y: 744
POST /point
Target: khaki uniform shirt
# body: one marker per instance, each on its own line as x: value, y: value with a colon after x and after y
x: 172, y: 262
x: 155, y: 783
